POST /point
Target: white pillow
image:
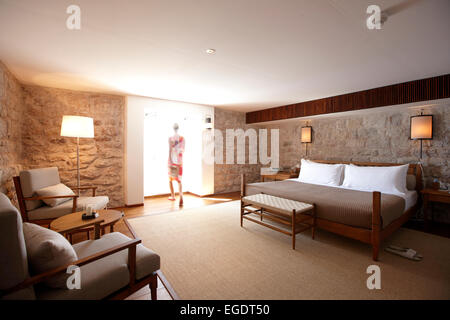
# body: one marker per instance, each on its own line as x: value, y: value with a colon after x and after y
x: 46, y: 250
x: 321, y: 173
x: 390, y: 180
x: 56, y: 190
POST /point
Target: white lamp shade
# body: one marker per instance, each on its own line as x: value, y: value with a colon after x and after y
x: 78, y: 127
x: 306, y: 135
x: 422, y: 127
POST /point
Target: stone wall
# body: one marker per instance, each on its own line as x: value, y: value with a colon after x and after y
x: 227, y: 177
x: 102, y: 158
x: 30, y: 121
x: 11, y: 111
x: 374, y: 136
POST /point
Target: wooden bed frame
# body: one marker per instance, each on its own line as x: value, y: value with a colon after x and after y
x: 376, y: 234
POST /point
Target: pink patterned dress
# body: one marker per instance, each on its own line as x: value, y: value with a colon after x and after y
x: 176, y: 150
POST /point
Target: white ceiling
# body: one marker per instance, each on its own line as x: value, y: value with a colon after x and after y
x: 269, y: 52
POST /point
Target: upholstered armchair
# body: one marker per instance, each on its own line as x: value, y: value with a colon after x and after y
x: 42, y: 209
x: 34, y: 261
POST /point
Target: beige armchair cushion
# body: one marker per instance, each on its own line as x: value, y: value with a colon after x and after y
x: 13, y: 253
x: 35, y: 179
x: 99, y: 279
x: 53, y: 191
x: 103, y: 277
x: 147, y: 261
x: 47, y: 212
x: 47, y: 250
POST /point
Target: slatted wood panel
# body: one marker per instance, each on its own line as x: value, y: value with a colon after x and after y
x: 407, y: 92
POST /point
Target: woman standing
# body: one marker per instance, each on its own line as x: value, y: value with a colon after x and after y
x: 176, y: 150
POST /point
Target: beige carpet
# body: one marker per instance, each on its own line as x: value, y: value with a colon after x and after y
x: 205, y: 254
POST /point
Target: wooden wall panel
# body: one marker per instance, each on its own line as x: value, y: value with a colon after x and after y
x: 407, y: 92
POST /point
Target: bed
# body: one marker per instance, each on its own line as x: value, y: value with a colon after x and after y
x: 369, y: 217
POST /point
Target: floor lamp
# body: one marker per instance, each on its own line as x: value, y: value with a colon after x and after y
x: 77, y: 127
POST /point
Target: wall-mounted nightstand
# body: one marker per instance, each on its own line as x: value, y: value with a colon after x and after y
x: 431, y: 195
x: 279, y: 176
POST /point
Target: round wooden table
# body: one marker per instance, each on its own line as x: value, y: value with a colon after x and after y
x: 68, y: 222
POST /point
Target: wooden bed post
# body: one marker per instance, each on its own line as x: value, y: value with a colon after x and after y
x: 293, y: 228
x: 243, y: 185
x: 242, y: 195
x: 376, y: 224
x: 314, y: 222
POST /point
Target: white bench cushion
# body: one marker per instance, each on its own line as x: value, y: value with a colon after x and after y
x: 277, y: 204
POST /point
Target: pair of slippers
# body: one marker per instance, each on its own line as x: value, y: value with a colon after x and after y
x: 404, y: 252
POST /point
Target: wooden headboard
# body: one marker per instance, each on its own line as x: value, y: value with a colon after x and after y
x: 414, y: 169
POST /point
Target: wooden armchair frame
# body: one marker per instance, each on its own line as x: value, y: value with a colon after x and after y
x: 94, y: 189
x: 377, y: 233
x: 134, y: 284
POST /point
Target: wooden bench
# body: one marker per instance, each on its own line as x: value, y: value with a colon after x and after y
x: 296, y: 216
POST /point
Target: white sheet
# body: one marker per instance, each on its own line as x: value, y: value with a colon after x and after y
x: 410, y: 196
x: 410, y: 199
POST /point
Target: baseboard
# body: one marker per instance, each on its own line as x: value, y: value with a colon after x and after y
x: 176, y: 194
x: 159, y: 195
x: 194, y: 194
x: 134, y: 205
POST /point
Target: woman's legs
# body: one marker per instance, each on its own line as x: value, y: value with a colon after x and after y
x: 176, y: 177
x: 172, y: 193
x: 180, y: 190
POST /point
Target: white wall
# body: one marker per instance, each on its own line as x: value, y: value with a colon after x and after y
x: 134, y: 153
x: 136, y: 108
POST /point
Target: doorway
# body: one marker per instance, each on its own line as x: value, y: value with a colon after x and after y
x: 158, y: 127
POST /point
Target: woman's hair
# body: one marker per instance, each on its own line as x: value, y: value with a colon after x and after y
x: 175, y: 126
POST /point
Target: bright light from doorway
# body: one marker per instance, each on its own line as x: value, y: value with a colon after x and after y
x: 158, y: 126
